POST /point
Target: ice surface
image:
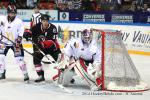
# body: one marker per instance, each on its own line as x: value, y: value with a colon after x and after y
x: 14, y: 87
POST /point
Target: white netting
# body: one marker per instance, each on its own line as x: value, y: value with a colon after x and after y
x: 119, y: 70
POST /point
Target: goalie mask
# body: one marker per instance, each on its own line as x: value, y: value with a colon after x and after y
x: 87, y: 36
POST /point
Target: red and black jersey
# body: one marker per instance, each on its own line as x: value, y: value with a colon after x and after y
x: 50, y: 34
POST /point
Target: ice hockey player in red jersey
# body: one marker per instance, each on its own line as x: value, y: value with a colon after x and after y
x: 44, y: 38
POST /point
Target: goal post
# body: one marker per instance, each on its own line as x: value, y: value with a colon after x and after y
x: 118, y: 71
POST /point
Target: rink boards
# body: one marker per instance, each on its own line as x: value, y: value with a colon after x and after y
x: 136, y: 37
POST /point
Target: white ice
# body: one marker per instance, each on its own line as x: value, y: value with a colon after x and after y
x: 13, y: 88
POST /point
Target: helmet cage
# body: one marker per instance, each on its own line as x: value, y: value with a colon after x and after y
x: 87, y: 36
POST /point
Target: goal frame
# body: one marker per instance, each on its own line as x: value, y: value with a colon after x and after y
x: 103, y: 35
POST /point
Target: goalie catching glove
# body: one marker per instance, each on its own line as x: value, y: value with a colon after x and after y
x: 27, y: 34
x: 47, y: 43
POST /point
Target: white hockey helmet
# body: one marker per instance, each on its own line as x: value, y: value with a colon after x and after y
x: 87, y: 36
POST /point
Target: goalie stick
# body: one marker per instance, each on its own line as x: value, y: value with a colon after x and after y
x: 24, y: 49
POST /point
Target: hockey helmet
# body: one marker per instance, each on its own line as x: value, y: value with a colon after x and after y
x: 45, y: 17
x: 11, y: 9
x: 87, y: 36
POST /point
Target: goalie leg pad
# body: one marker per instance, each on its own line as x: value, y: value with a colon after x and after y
x: 65, y: 77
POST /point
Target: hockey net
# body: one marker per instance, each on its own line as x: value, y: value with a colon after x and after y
x: 118, y: 71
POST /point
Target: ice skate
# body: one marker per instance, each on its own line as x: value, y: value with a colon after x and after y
x: 40, y: 79
x: 2, y: 75
x: 93, y: 87
x: 26, y: 78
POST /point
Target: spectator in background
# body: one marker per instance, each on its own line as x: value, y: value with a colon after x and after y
x: 20, y: 4
x: 133, y: 7
x: 139, y: 8
x: 104, y: 4
x: 77, y: 4
x: 139, y: 2
x: 30, y: 4
x: 115, y: 4
x: 70, y: 5
x: 61, y: 6
x: 89, y: 4
x: 51, y: 5
x: 145, y: 8
x: 2, y: 6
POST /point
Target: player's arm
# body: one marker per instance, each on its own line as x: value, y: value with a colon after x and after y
x: 20, y: 29
x: 31, y: 22
x: 53, y: 35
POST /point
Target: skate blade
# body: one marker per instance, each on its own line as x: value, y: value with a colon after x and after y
x: 27, y: 82
x: 40, y: 83
x: 2, y: 80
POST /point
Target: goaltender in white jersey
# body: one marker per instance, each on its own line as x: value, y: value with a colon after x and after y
x: 77, y: 48
x: 84, y: 49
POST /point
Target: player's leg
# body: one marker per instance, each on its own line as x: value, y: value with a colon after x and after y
x: 88, y: 73
x: 2, y: 66
x: 19, y: 57
x: 38, y: 66
x: 98, y: 73
x: 3, y: 52
x: 66, y: 67
x: 95, y: 73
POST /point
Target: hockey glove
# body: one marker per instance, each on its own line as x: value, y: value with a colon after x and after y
x: 27, y: 34
x: 17, y: 48
x: 18, y: 42
x: 41, y: 38
x: 47, y: 43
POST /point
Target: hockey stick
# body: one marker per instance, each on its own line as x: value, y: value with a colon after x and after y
x: 25, y: 50
x: 64, y: 88
x: 57, y: 84
x: 41, y: 51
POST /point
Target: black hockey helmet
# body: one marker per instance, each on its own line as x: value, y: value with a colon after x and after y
x: 45, y: 17
x: 12, y: 8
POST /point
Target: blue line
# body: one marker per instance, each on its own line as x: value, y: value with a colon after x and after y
x: 109, y: 23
